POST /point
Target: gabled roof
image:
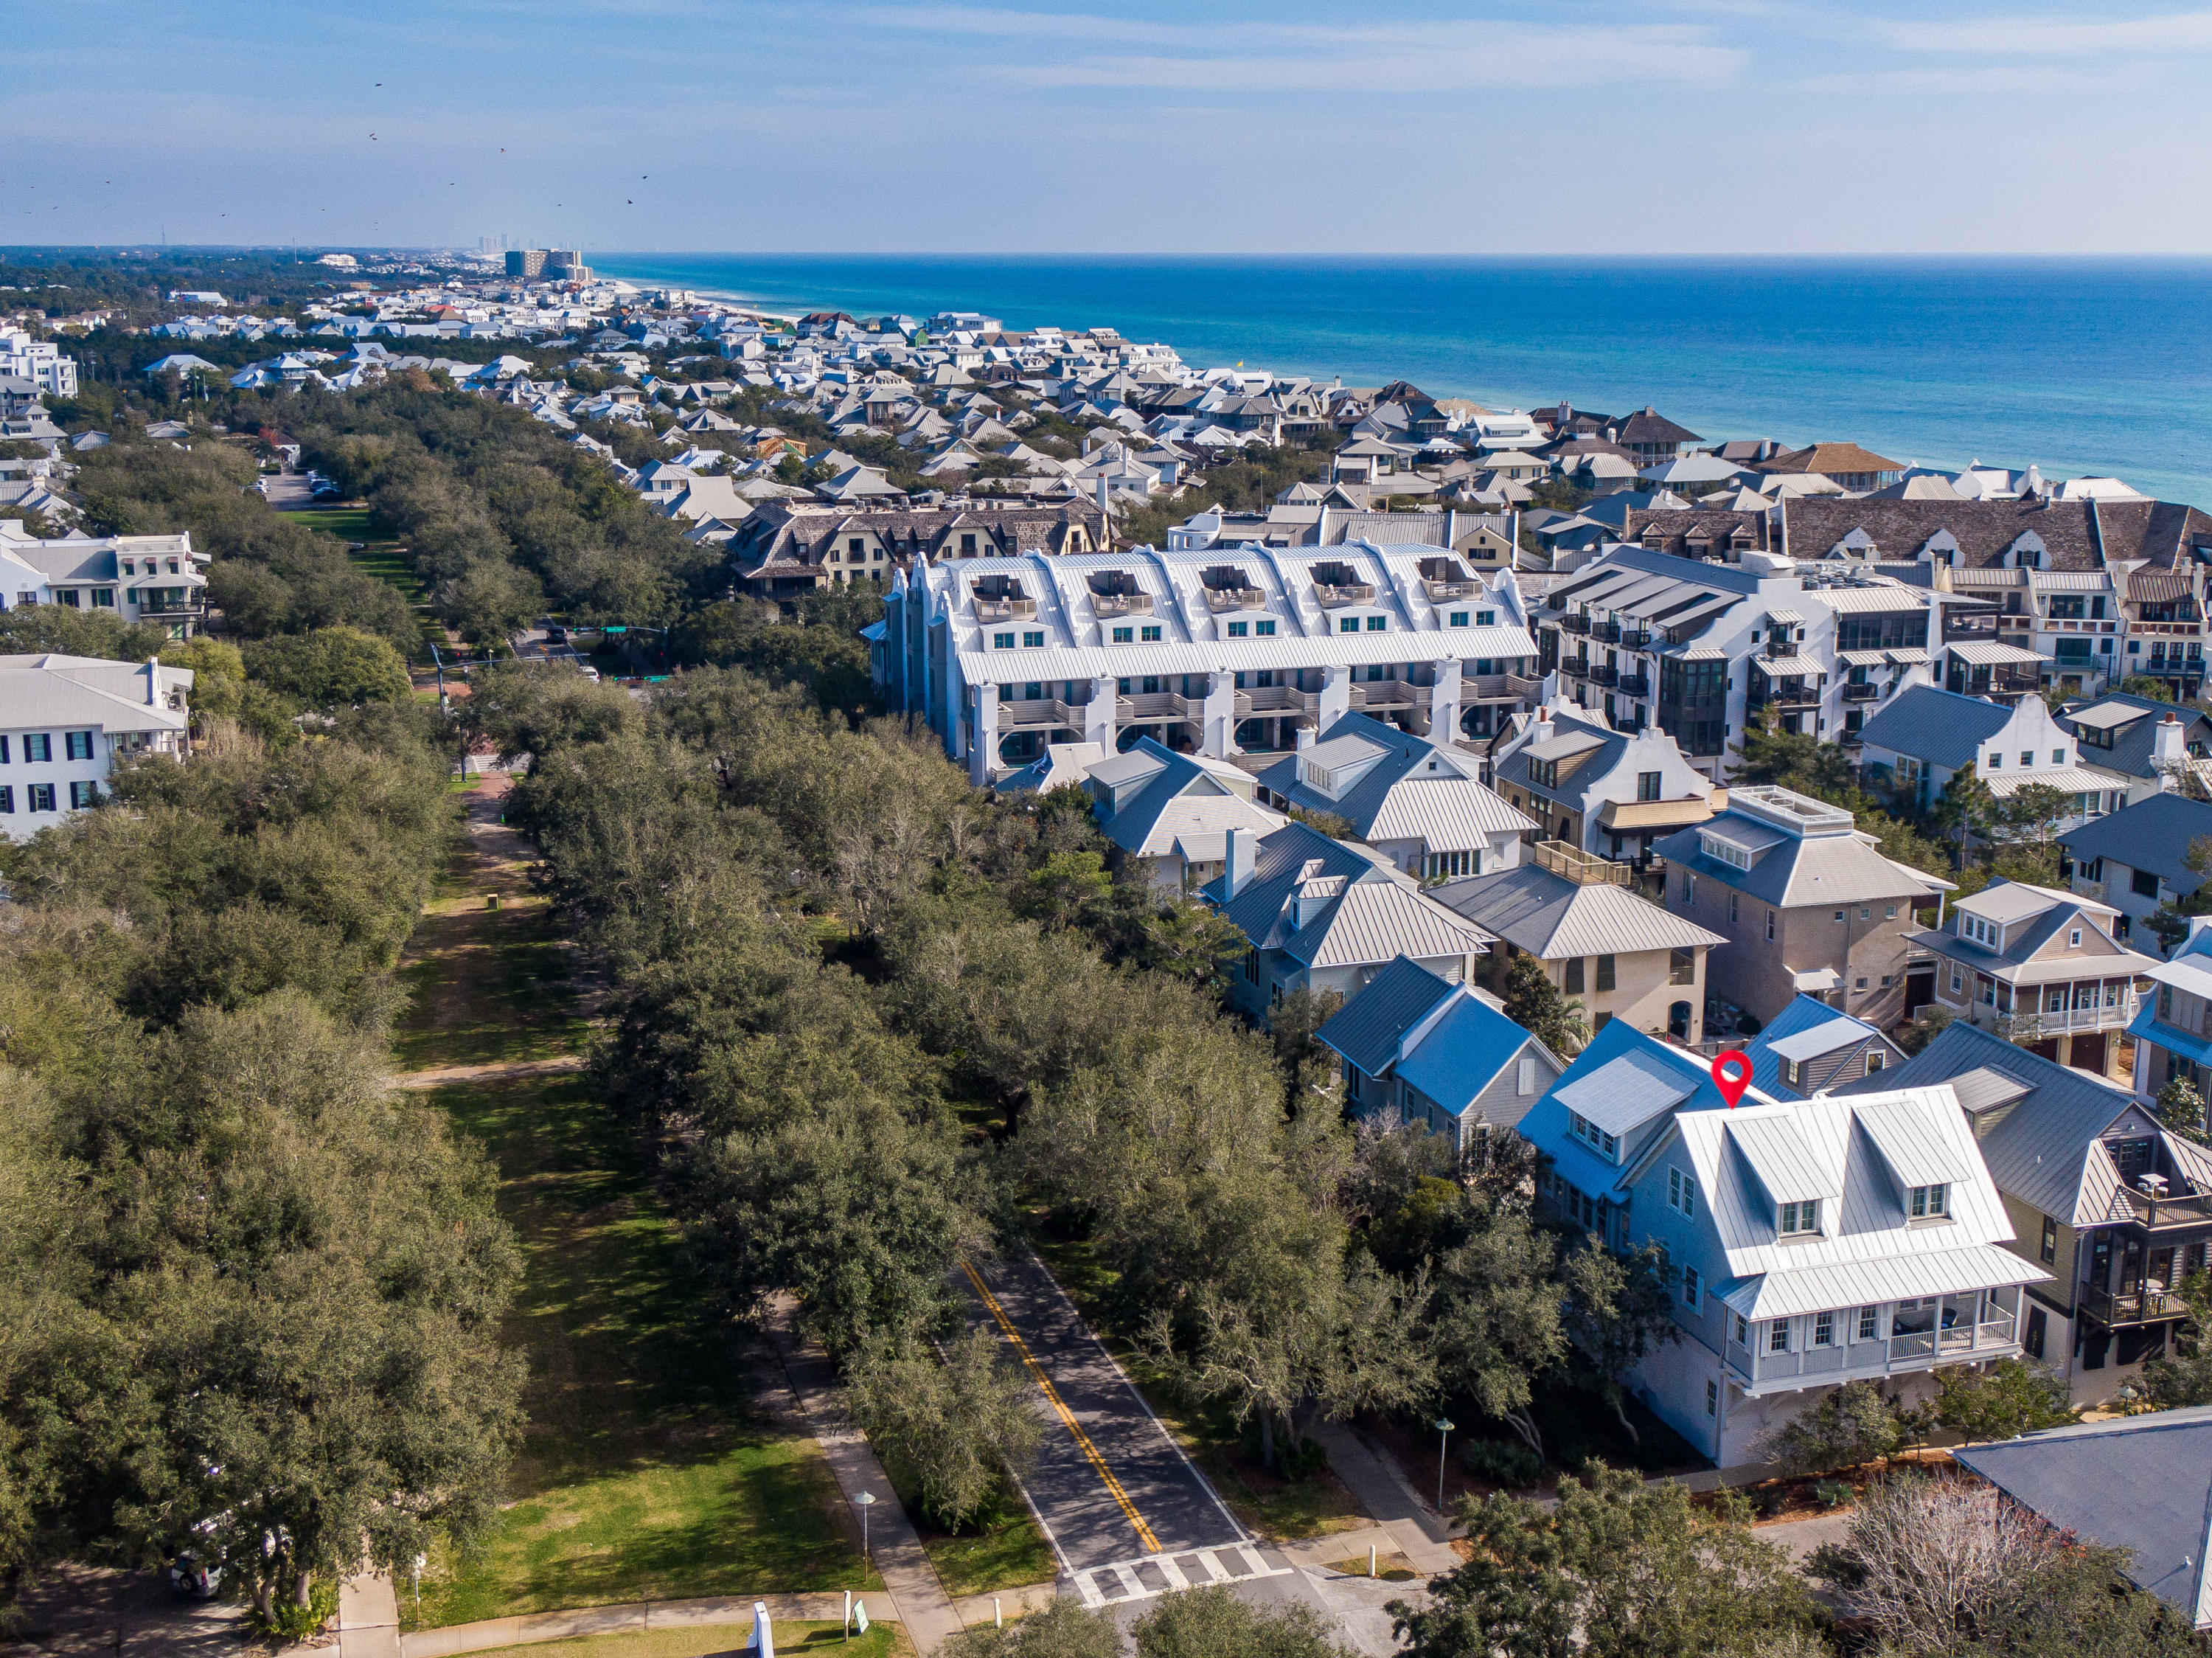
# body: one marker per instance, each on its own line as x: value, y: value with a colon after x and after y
x: 1551, y: 918
x: 2041, y: 1120
x: 1822, y: 1040
x: 1461, y: 1053
x: 2155, y: 833
x: 2141, y: 1484
x: 1939, y: 727
x: 1816, y: 869
x: 1359, y: 910
x: 1182, y: 811
x: 1652, y: 1070
x: 1416, y: 789
x: 1647, y: 425
x: 1367, y: 1029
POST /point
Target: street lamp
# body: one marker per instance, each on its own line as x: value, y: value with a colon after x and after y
x: 1444, y: 1426
x: 868, y: 1501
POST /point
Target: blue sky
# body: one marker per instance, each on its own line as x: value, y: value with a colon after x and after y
x: 1275, y: 125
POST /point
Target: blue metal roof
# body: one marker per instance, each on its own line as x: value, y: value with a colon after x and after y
x: 1462, y: 1052
x: 1804, y: 1013
x: 1366, y: 1029
x: 2154, y: 834
x: 1546, y: 1125
x: 1940, y: 727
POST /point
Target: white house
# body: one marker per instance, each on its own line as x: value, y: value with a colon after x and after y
x: 138, y: 578
x: 65, y: 721
x: 1926, y: 737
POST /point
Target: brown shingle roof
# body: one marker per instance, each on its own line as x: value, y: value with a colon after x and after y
x: 1647, y: 425
x: 1831, y: 458
x: 1982, y: 529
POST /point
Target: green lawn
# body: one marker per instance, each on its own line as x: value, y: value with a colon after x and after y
x: 1000, y: 1549
x: 379, y: 558
x: 1277, y: 1510
x: 644, y: 1473
x: 880, y: 1641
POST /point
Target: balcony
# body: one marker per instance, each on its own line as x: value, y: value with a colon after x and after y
x: 1635, y: 685
x: 1608, y: 632
x: 1860, y: 694
x: 1636, y: 638
x: 1218, y: 599
x: 1575, y: 622
x: 1277, y: 699
x: 1606, y: 676
x: 1388, y: 693
x: 1337, y: 595
x: 1440, y: 591
x: 1571, y: 862
x: 2156, y: 1213
x: 2144, y: 1305
x: 1846, y: 1359
x: 1039, y: 713
x: 1577, y: 666
x: 1150, y: 707
x: 1121, y: 604
x: 1005, y: 610
x: 2033, y: 1024
x: 1781, y: 646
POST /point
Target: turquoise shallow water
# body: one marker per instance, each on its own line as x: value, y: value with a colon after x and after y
x: 2100, y: 366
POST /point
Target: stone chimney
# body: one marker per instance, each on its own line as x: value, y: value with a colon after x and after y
x: 1244, y: 849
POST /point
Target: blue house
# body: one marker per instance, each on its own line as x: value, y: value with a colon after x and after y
x: 1810, y: 1046
x: 1436, y: 1052
x: 1809, y: 1242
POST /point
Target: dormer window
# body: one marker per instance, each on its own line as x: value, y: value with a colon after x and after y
x: 1799, y: 1219
x: 1595, y: 1138
x: 1724, y: 851
x: 1930, y: 1203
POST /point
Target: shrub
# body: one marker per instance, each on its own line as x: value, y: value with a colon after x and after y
x: 1502, y: 1462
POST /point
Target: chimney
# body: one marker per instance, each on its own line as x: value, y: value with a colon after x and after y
x: 152, y: 682
x: 1305, y: 737
x: 1102, y: 507
x: 2166, y: 754
x: 1243, y: 846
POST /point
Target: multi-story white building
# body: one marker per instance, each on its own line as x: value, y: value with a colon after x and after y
x: 1217, y: 652
x: 139, y: 578
x: 39, y: 361
x: 1702, y: 648
x: 64, y: 722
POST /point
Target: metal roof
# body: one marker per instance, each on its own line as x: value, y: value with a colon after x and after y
x: 2067, y: 780
x: 1402, y: 645
x: 1446, y: 814
x: 1914, y: 1155
x: 1938, y: 726
x: 1986, y: 1088
x: 1552, y: 918
x: 1623, y: 1093
x: 1863, y: 658
x: 1782, y: 1159
x: 1820, y: 1037
x: 1785, y: 1294
x: 1454, y: 1059
x: 2154, y: 834
x: 2141, y: 1484
x: 1982, y: 654
x: 1373, y: 921
x: 1882, y: 596
x: 1366, y: 1029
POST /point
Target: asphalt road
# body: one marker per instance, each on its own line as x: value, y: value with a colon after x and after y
x: 1130, y: 1516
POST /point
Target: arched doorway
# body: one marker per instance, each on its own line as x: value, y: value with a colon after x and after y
x: 1678, y: 1022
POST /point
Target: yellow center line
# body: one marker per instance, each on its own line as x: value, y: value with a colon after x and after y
x: 1052, y: 1395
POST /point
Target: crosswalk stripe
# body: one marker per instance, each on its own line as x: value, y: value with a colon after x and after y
x: 1117, y: 1581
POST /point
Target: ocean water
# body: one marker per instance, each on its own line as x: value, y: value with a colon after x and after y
x: 2079, y: 366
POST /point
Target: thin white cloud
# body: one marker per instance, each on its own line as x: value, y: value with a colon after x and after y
x: 2052, y: 37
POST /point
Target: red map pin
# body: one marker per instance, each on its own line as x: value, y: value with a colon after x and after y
x: 1731, y: 1074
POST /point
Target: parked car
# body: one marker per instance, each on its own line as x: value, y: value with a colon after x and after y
x: 193, y: 1578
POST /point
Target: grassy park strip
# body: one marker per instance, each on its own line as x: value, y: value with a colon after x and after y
x: 882, y: 1641
x: 644, y: 1473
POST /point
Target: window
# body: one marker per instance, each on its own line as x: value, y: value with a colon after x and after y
x: 1485, y: 619
x: 1777, y: 1336
x: 1002, y: 642
x: 103, y: 597
x: 1647, y: 785
x: 7, y: 798
x: 1839, y: 914
x: 1589, y: 1133
x: 1732, y: 903
x: 1525, y: 1074
x: 1769, y: 926
x: 2073, y: 939
x: 4, y: 751
x: 1458, y: 618
x: 1858, y: 983
x: 1123, y: 636
x: 1712, y: 1397
x: 1681, y: 1192
x: 1875, y: 1060
x: 1793, y: 1071
x: 1263, y: 629
x: 1348, y: 624
x: 1722, y: 852
x: 1743, y: 1332
x: 1150, y: 635
x: 38, y: 747
x: 2027, y: 759
x: 2050, y: 1241
x: 1870, y: 1321
x: 1377, y: 624
x: 2058, y: 757
x: 1238, y: 629
x: 1865, y: 914
x: 1605, y: 972
x: 1799, y: 1219
x: 1443, y: 866
x: 79, y: 795
x: 1996, y: 760
x: 1033, y: 640
x: 1929, y: 1202
x: 1890, y: 914
x: 1824, y: 1329
x: 2143, y: 883
x: 1958, y: 985
x: 1574, y: 976
x: 41, y: 795
x: 1689, y: 887
x: 1690, y: 1287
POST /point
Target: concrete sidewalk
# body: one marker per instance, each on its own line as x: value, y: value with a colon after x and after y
x: 368, y: 1617
x: 1375, y: 1481
x: 918, y: 1598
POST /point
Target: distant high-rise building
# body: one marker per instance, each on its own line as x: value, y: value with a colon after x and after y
x: 525, y: 262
